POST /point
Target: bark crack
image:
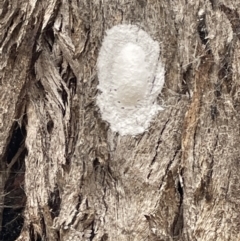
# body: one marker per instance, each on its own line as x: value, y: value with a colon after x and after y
x: 178, y: 221
x: 169, y: 165
x: 158, y: 143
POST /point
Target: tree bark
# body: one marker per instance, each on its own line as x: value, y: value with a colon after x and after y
x: 66, y: 176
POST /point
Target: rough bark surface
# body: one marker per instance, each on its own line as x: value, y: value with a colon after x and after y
x: 66, y: 176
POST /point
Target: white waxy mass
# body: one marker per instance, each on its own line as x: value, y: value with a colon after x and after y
x: 131, y: 76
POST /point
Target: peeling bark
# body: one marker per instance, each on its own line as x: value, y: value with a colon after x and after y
x: 66, y: 176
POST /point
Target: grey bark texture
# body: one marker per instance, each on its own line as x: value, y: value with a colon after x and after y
x: 66, y: 176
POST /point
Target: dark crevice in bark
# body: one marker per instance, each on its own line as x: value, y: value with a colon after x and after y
x: 214, y: 111
x: 18, y: 136
x: 13, y: 223
x: 169, y: 165
x: 39, y: 85
x: 50, y: 126
x: 202, y: 29
x: 92, y: 233
x: 34, y: 236
x: 156, y: 152
x: 49, y: 37
x: 14, y: 195
x: 72, y: 85
x: 186, y: 80
x: 43, y: 226
x: 54, y: 202
x: 104, y: 237
x: 180, y: 191
x: 96, y: 164
x: 149, y: 174
x: 64, y: 96
x: 177, y: 226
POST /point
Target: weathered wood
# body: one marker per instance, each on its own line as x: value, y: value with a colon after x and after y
x: 177, y: 181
